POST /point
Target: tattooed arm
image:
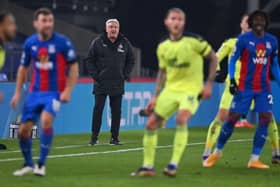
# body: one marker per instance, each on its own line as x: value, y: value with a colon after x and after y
x: 160, y: 81
x: 161, y: 76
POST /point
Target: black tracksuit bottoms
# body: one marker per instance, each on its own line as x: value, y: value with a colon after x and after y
x: 115, y: 104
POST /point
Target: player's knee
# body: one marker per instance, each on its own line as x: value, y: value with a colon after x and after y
x: 265, y: 118
x: 181, y: 120
x: 24, y: 131
x: 46, y: 120
x: 183, y: 117
x: 222, y: 116
x: 233, y: 117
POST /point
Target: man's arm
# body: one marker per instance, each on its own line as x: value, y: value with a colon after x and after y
x: 21, y: 78
x: 90, y: 61
x: 207, y: 90
x: 231, y: 67
x: 70, y: 82
x: 129, y: 63
x: 275, y: 69
x: 223, y: 52
x: 213, y: 66
x: 160, y: 80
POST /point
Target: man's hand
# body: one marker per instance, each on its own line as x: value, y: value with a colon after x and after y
x: 151, y: 104
x: 65, y: 96
x: 207, y: 91
x: 233, y: 87
x: 1, y: 97
x: 15, y: 100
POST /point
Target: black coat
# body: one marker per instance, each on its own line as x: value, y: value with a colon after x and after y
x: 110, y: 64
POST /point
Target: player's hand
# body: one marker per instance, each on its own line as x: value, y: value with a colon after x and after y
x: 233, y: 87
x: 65, y: 96
x: 15, y: 100
x: 151, y: 104
x: 1, y: 96
x: 207, y: 91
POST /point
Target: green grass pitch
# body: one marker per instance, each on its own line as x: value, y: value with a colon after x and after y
x: 73, y: 163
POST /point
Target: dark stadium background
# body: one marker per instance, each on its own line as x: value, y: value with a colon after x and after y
x: 142, y: 21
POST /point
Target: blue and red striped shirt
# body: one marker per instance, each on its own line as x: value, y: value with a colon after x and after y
x: 257, y: 55
x: 49, y: 60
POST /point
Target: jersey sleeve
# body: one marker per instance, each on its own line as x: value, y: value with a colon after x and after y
x: 69, y: 51
x: 223, y: 51
x: 26, y: 55
x: 161, y: 61
x: 275, y: 49
x: 238, y: 49
x: 202, y: 46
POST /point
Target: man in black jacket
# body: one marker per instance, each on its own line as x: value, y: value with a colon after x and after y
x: 110, y: 61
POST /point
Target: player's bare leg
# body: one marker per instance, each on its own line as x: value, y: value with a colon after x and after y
x: 225, y: 134
x: 25, y: 142
x: 45, y: 142
x: 214, y: 131
x: 180, y: 142
x: 149, y: 144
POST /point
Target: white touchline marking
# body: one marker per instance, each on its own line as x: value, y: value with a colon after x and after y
x: 115, y: 151
x: 66, y: 147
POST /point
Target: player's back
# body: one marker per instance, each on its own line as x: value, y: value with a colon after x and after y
x: 49, y: 62
x: 183, y: 61
x: 255, y: 61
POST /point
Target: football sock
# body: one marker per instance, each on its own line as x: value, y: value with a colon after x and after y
x: 243, y: 118
x: 260, y: 134
x: 25, y: 146
x: 274, y: 137
x: 212, y: 135
x: 45, y: 144
x: 179, y: 145
x: 254, y: 157
x: 149, y: 144
x: 226, y: 131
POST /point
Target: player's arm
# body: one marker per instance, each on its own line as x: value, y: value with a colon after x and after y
x: 161, y: 77
x: 207, y: 90
x: 21, y: 74
x: 275, y: 69
x: 160, y: 81
x: 231, y: 67
x: 205, y: 50
x: 21, y: 78
x: 222, y: 53
x: 70, y: 82
x: 275, y: 64
x: 71, y: 58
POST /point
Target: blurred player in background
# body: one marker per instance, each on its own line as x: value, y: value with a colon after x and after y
x: 178, y: 86
x: 258, y: 52
x: 50, y: 55
x: 7, y: 32
x: 226, y: 50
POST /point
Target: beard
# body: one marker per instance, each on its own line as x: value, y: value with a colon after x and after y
x: 45, y: 35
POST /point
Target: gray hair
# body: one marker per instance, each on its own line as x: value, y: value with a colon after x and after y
x: 113, y: 21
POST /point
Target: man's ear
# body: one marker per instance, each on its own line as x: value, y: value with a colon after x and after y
x: 34, y: 24
x: 165, y: 22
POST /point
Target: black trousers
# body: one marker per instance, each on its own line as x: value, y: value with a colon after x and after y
x: 115, y: 104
